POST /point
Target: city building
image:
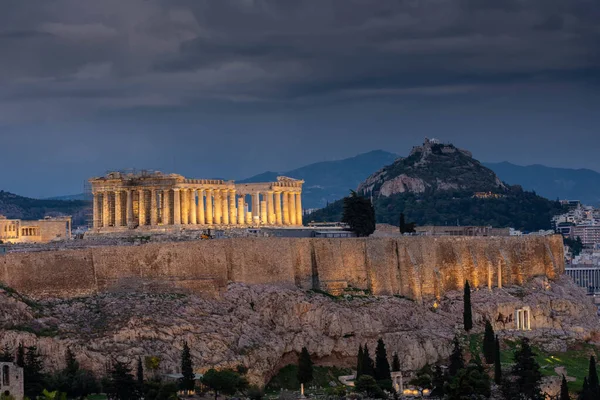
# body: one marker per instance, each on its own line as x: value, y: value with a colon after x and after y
x: 156, y: 201
x: 589, y: 235
x: 11, y: 381
x: 38, y: 231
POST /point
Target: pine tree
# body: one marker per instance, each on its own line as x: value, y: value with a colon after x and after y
x: 305, y: 367
x: 72, y: 366
x: 457, y: 361
x: 438, y: 382
x: 489, y: 343
x: 564, y: 390
x: 593, y: 378
x: 368, y: 366
x: 497, y: 365
x: 32, y: 373
x: 467, y: 313
x: 187, y: 369
x: 7, y: 355
x: 382, y: 365
x: 359, y: 362
x: 395, y: 363
x: 527, y: 372
x: 122, y: 385
x: 140, y: 372
x: 21, y: 355
x: 359, y: 214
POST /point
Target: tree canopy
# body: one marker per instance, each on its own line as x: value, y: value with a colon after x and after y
x: 359, y: 214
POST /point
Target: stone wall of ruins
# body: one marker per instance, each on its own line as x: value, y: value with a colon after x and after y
x: 415, y: 267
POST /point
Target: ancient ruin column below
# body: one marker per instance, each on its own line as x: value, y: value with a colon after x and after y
x: 209, y: 207
x: 232, y: 210
x: 286, y: 208
x: 225, y: 205
x: 299, y: 208
x: 153, y: 208
x: 105, y: 210
x: 200, y: 208
x: 263, y: 212
x: 270, y: 208
x: 141, y: 207
x: 129, y: 208
x: 176, y: 207
x: 118, y: 209
x: 193, y: 207
x: 166, y: 214
x: 255, y: 207
x: 241, y: 213
x: 185, y: 206
x: 292, y: 208
x: 96, y: 211
x: 278, y: 216
x: 218, y: 207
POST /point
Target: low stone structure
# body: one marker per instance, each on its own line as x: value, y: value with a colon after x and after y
x: 11, y: 380
x: 40, y: 231
x: 153, y: 200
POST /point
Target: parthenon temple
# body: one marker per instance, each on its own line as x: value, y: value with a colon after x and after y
x: 153, y: 200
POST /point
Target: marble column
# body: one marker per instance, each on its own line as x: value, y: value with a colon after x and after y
x: 176, y: 207
x: 278, y: 216
x: 130, y: 209
x: 105, y: 210
x: 209, y: 207
x: 185, y: 206
x: 153, y: 208
x: 166, y: 214
x: 270, y: 208
x: 200, y: 208
x: 232, y: 210
x: 292, y: 208
x: 256, y: 207
x: 286, y: 208
x: 299, y: 208
x: 118, y: 209
x: 96, y: 212
x: 225, y: 205
x: 141, y: 207
x: 193, y: 207
x: 249, y: 220
x: 241, y: 213
x: 218, y: 207
x: 263, y: 212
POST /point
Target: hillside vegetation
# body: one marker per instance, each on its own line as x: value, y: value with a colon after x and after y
x: 15, y: 206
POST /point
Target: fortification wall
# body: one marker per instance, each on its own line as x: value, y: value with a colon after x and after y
x: 414, y: 267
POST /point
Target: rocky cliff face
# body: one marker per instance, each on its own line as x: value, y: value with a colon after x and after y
x: 432, y: 166
x: 265, y: 327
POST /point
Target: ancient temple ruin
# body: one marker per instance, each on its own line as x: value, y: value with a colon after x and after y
x: 153, y: 200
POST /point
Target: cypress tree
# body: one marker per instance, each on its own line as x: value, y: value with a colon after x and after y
x: 382, y: 365
x: 402, y: 224
x: 72, y: 366
x: 21, y: 355
x: 187, y: 369
x: 467, y: 313
x: 305, y: 367
x: 140, y: 372
x: 527, y: 372
x: 586, y: 394
x: 564, y: 390
x: 395, y: 363
x: 368, y: 366
x: 32, y: 373
x: 359, y: 361
x: 497, y: 366
x: 489, y: 343
x: 593, y: 377
x: 457, y: 362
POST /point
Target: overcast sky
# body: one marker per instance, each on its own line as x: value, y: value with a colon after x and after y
x: 230, y: 88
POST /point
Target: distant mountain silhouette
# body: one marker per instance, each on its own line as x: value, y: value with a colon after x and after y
x: 328, y: 181
x: 15, y: 206
x: 563, y: 183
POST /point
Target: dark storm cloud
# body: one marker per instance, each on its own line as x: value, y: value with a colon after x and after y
x: 116, y: 54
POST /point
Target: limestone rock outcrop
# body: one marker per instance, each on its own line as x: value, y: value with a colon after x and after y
x: 264, y: 326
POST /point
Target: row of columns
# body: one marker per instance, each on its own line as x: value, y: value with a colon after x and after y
x: 188, y: 206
